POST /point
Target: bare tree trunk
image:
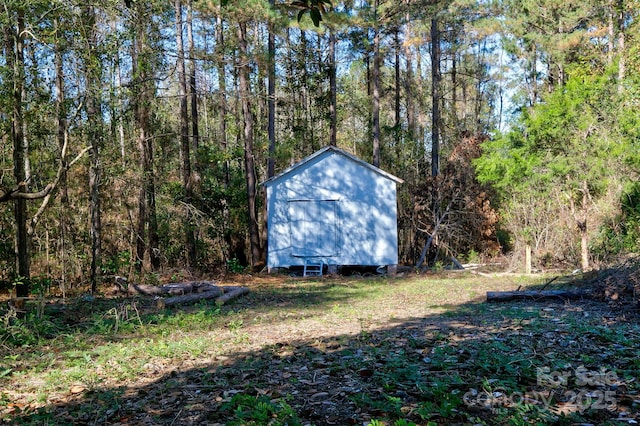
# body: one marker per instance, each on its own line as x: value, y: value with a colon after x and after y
x: 581, y: 223
x: 271, y: 122
x: 611, y: 33
x: 141, y: 240
x: 333, y: 105
x: 184, y: 137
x: 147, y: 227
x: 120, y: 120
x: 154, y: 240
x: 222, y: 83
x: 61, y: 118
x: 533, y: 76
x: 411, y: 117
x: 478, y: 103
x: 243, y: 77
x: 271, y: 95
x: 193, y: 92
x: 582, y: 226
x: 376, y: 88
x: 94, y: 136
x: 459, y: 125
x: 398, y: 83
x: 309, y: 136
x: 14, y: 57
x: 621, y: 43
x: 435, y: 98
x: 140, y: 116
x: 435, y: 121
x: 621, y: 62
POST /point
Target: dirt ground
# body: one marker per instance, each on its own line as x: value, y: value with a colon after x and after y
x: 402, y: 358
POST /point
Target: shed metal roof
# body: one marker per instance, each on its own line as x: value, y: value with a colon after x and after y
x: 336, y: 150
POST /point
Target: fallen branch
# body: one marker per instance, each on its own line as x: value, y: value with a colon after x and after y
x: 506, y: 296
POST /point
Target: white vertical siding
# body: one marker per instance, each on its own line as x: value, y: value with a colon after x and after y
x: 334, y: 208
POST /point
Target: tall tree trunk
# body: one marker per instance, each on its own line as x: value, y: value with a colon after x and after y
x: 94, y: 136
x: 333, y: 89
x: 582, y: 226
x: 478, y: 101
x: 435, y: 129
x: 271, y: 123
x: 459, y: 125
x: 152, y: 232
x: 411, y: 116
x: 290, y: 112
x: 611, y: 30
x: 620, y: 19
x: 435, y: 98
x: 193, y: 92
x: 581, y: 216
x: 14, y: 56
x: 243, y: 79
x: 184, y: 137
x: 376, y: 88
x: 141, y: 240
x: 308, y: 135
x: 533, y: 75
x: 147, y: 227
x: 61, y: 117
x: 271, y: 96
x: 192, y: 234
x: 222, y: 85
x: 398, y: 83
x: 232, y: 251
x: 119, y: 103
x: 61, y: 134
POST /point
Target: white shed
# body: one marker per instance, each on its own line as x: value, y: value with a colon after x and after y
x: 335, y: 208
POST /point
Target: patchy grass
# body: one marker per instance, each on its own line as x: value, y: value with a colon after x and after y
x: 423, y: 350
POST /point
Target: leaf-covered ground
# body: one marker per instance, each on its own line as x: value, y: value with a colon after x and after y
x: 422, y: 350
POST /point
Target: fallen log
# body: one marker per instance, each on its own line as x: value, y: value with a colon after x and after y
x: 189, y: 298
x: 122, y: 286
x: 231, y: 293
x: 183, y: 293
x: 221, y: 294
x: 506, y: 296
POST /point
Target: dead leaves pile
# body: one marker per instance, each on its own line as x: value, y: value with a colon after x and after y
x: 619, y: 286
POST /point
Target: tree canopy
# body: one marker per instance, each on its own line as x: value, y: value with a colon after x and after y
x: 122, y: 119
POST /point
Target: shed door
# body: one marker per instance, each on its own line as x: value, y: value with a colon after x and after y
x: 314, y: 227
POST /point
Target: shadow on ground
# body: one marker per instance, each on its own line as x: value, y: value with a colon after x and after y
x: 512, y: 363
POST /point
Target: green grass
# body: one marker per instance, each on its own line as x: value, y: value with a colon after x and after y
x: 425, y: 350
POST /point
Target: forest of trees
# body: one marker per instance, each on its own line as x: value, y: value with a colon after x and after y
x: 135, y: 134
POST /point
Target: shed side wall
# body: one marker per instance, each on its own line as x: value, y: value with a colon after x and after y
x: 367, y: 211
